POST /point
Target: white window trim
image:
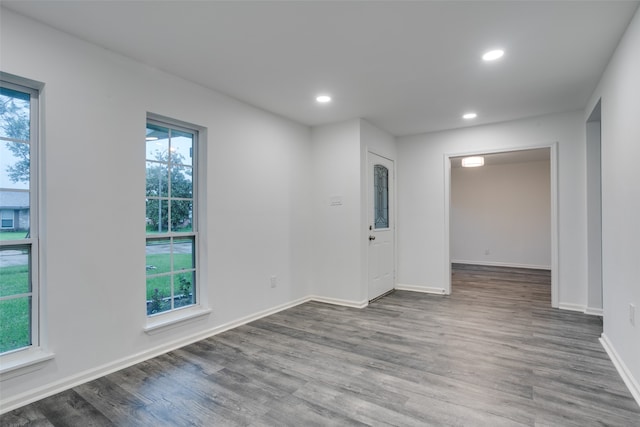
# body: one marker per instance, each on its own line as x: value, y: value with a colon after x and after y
x: 23, y: 361
x: 31, y: 358
x: 170, y: 319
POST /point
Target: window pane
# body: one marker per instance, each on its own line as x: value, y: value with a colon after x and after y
x: 182, y: 148
x: 181, y: 182
x: 185, y: 289
x: 183, y: 250
x: 15, y: 323
x: 17, y: 158
x: 157, y: 216
x: 157, y: 179
x: 181, y: 215
x: 158, y: 256
x: 157, y: 142
x: 14, y: 165
x: 170, y: 199
x: 14, y: 271
x: 381, y: 196
x: 158, y: 294
x: 14, y: 114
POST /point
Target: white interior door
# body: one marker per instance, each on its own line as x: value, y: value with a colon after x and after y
x: 381, y: 217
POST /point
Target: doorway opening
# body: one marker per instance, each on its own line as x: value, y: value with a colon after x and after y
x: 503, y: 214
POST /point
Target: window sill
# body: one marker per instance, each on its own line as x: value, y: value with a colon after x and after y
x: 23, y: 362
x: 168, y: 321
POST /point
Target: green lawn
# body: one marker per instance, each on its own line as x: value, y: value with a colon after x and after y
x: 154, y: 230
x: 14, y: 280
x: 15, y: 328
x: 162, y: 264
x: 13, y: 235
x: 15, y: 331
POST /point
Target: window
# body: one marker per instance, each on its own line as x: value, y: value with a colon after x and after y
x: 6, y: 219
x: 171, y: 220
x: 381, y: 196
x: 18, y: 218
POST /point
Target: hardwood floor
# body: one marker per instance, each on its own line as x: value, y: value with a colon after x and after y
x: 492, y: 354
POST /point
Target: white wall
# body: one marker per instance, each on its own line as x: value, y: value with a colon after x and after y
x: 504, y: 209
x: 340, y: 207
x: 337, y: 268
x: 93, y: 243
x: 421, y: 211
x: 619, y: 90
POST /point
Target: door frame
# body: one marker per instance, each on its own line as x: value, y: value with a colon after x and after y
x: 393, y: 218
x: 553, y: 152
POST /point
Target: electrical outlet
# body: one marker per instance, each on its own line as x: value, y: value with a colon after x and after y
x: 632, y: 314
x: 274, y: 281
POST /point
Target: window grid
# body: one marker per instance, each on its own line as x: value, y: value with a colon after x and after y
x: 171, y: 247
x: 19, y: 284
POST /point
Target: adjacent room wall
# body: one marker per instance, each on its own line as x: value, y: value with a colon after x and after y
x: 501, y: 215
x: 257, y: 192
x: 619, y: 90
x: 421, y: 200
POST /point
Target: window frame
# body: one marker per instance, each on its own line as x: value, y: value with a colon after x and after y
x: 33, y: 353
x: 381, y: 210
x: 174, y: 314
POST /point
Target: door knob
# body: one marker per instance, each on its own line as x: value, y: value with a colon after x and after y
x: 372, y: 238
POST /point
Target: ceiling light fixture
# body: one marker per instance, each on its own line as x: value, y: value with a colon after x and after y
x: 152, y: 138
x: 323, y: 99
x: 492, y: 55
x: 472, y: 162
x: 469, y: 116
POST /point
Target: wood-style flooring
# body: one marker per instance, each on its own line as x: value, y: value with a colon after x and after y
x: 494, y: 353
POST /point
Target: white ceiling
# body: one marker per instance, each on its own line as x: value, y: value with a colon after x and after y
x: 407, y: 67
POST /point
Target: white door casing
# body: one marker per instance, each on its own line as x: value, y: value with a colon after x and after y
x: 381, y: 225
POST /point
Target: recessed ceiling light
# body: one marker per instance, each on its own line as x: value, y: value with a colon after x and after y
x: 323, y: 99
x: 472, y: 162
x: 492, y: 55
x: 469, y: 116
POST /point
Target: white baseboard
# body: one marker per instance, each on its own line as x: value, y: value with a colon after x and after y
x: 502, y: 264
x: 14, y: 402
x: 337, y: 301
x: 594, y: 311
x: 423, y: 289
x: 581, y: 308
x: 631, y: 383
x: 572, y: 307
